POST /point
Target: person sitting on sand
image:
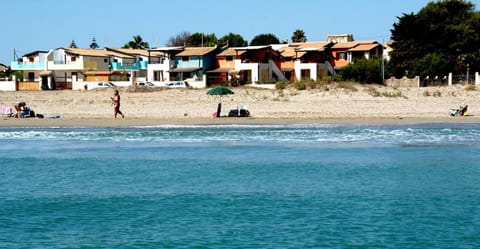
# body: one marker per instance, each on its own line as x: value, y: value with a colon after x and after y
x: 20, y: 108
x: 116, y: 104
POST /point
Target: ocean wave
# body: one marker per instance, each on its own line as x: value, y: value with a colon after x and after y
x: 258, y: 134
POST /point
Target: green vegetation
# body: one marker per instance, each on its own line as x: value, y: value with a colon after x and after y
x: 363, y: 71
x: 136, y: 43
x: 442, y: 37
x: 393, y: 94
x: 436, y: 93
x: 264, y: 39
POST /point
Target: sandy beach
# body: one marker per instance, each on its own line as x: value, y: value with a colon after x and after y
x: 331, y: 104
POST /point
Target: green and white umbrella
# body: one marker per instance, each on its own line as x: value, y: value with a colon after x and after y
x: 220, y: 90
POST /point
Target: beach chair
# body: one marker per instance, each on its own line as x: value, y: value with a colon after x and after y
x: 7, y: 111
x: 462, y: 111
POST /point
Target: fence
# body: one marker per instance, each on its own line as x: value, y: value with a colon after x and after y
x: 446, y: 80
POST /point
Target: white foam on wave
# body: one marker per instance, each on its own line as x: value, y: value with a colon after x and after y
x: 251, y: 134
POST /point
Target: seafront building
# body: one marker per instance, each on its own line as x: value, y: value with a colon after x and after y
x: 82, y: 68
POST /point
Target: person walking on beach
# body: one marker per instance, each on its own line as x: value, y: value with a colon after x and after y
x: 116, y: 104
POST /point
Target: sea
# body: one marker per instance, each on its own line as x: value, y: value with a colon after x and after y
x: 241, y: 186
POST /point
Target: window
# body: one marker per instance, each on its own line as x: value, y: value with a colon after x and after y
x: 74, y: 58
x: 229, y: 58
x: 105, y: 60
x: 31, y: 76
x: 31, y: 59
x: 185, y: 58
x: 341, y: 56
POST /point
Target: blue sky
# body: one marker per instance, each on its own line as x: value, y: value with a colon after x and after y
x: 42, y: 25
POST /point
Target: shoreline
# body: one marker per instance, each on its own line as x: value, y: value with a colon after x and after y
x: 152, y: 122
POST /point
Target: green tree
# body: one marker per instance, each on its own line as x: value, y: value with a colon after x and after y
x: 299, y: 36
x: 363, y: 71
x: 178, y: 40
x: 202, y: 40
x: 94, y: 44
x: 73, y: 44
x: 264, y: 39
x: 442, y: 37
x: 232, y: 40
x: 136, y: 43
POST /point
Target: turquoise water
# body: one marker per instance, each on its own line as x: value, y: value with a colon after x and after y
x: 286, y: 186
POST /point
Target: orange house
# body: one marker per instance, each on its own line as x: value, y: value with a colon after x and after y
x: 345, y: 53
x: 307, y: 60
x: 246, y: 65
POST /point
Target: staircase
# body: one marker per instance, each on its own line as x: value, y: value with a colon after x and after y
x: 330, y: 69
x: 276, y: 70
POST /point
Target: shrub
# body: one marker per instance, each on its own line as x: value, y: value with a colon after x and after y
x: 300, y: 85
x: 363, y: 71
x: 470, y: 88
x: 281, y: 85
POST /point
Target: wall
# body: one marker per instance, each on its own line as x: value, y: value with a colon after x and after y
x: 403, y: 82
x: 8, y: 85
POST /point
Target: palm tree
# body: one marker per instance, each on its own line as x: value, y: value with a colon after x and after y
x: 136, y: 43
x: 299, y: 36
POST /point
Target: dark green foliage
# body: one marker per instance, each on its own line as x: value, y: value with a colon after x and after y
x: 363, y: 71
x: 299, y: 36
x: 94, y: 44
x: 136, y: 43
x: 201, y: 40
x: 232, y: 40
x: 178, y: 40
x: 442, y: 37
x: 264, y: 39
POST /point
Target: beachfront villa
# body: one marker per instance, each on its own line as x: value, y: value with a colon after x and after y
x: 81, y: 68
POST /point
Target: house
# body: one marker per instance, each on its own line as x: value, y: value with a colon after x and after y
x: 345, y: 53
x: 225, y: 67
x: 33, y: 67
x: 192, y: 63
x: 307, y: 60
x: 250, y: 64
x: 136, y: 63
x: 160, y: 61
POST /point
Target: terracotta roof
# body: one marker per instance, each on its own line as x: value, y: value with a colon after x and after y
x: 221, y: 70
x: 231, y: 52
x: 291, y: 52
x: 344, y: 45
x: 131, y: 51
x: 97, y: 52
x: 364, y: 47
x: 194, y: 51
x: 321, y: 44
x: 347, y: 45
x: 87, y: 52
x: 253, y: 47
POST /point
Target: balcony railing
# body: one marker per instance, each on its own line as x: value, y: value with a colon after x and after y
x: 15, y: 65
x: 136, y: 66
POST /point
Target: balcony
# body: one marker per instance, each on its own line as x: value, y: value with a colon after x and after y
x: 136, y: 66
x: 15, y: 65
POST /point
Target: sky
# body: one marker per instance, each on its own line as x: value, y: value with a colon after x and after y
x: 31, y: 25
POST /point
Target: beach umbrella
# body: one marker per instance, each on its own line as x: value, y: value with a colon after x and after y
x: 220, y: 90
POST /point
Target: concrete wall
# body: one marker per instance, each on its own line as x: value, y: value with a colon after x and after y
x: 403, y: 82
x: 8, y: 86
